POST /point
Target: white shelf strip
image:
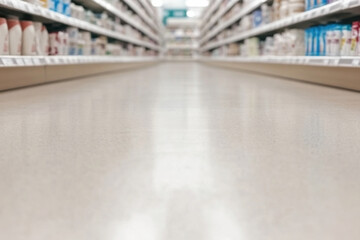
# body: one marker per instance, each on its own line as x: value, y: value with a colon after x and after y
x: 110, y: 8
x: 218, y: 16
x: 296, y: 60
x: 181, y: 47
x: 33, y: 61
x: 135, y: 6
x: 244, y: 11
x: 148, y: 8
x: 326, y: 10
x: 60, y: 18
x: 210, y: 10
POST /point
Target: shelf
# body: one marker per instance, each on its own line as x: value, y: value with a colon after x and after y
x: 148, y: 8
x: 308, y: 16
x: 340, y: 72
x: 28, y: 71
x: 247, y: 9
x: 142, y: 14
x: 33, y: 61
x: 104, y: 5
x: 210, y: 10
x: 218, y: 16
x: 183, y: 47
x: 69, y: 21
x: 294, y: 60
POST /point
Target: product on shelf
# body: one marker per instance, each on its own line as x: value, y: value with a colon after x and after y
x: 4, y: 37
x: 28, y: 38
x: 311, y: 4
x: 333, y: 40
x: 15, y: 37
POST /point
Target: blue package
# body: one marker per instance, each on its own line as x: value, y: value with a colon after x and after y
x: 59, y: 7
x: 323, y: 40
x: 53, y: 4
x: 311, y: 41
x: 308, y: 41
x: 316, y: 41
x: 257, y: 18
x: 66, y: 7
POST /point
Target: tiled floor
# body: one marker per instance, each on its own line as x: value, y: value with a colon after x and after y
x: 180, y: 151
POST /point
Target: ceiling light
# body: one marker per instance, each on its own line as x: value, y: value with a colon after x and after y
x: 197, y: 3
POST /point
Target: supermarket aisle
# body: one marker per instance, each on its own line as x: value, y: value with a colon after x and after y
x: 179, y: 151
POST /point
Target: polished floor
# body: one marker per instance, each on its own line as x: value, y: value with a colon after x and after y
x: 180, y: 151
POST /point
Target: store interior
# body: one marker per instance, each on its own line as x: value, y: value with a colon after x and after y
x: 179, y: 119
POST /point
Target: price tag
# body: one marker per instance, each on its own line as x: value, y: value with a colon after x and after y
x: 28, y: 62
x: 336, y: 62
x: 28, y: 8
x: 36, y: 61
x: 19, y: 62
x: 48, y: 60
x: 336, y: 6
x: 8, y: 62
x: 326, y: 62
x: 49, y: 14
x: 356, y: 62
x: 346, y: 3
x: 10, y: 3
x: 37, y: 10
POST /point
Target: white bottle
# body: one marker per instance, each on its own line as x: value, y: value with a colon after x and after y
x: 4, y: 37
x: 38, y: 27
x: 44, y: 41
x: 28, y: 38
x: 15, y: 36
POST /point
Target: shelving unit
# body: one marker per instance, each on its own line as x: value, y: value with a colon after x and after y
x: 347, y: 7
x: 134, y: 5
x: 342, y: 72
x: 182, y: 39
x: 334, y: 71
x: 29, y: 61
x: 207, y: 13
x: 217, y: 17
x: 246, y: 10
x: 20, y: 71
x: 46, y: 14
x: 105, y: 6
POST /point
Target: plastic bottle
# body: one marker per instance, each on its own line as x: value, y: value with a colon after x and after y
x: 346, y: 40
x: 4, y: 37
x: 354, y: 38
x: 336, y: 40
x: 15, y: 36
x: 44, y: 41
x: 28, y: 38
x: 44, y: 3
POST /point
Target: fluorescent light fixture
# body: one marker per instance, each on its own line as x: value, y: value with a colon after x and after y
x: 157, y: 3
x: 197, y: 3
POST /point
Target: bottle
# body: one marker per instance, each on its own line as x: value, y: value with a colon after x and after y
x: 4, y: 37
x: 354, y: 38
x: 28, y: 38
x: 15, y: 36
x: 44, y: 41
x: 44, y: 3
x: 346, y: 40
